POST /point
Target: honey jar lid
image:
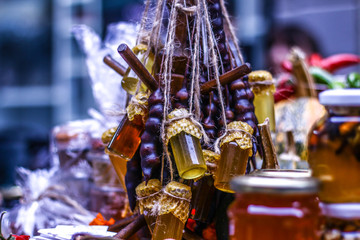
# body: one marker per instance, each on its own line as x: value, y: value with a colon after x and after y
x: 340, y: 97
x: 286, y: 173
x: 274, y: 185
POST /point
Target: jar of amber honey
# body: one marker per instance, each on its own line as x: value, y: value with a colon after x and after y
x: 334, y: 147
x: 342, y: 221
x: 274, y: 208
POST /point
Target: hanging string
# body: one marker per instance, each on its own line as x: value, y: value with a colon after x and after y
x: 214, y: 59
x: 144, y: 19
x: 168, y: 63
x: 231, y: 30
x: 195, y: 69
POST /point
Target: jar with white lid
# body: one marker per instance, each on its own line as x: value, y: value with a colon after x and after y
x: 274, y: 208
x: 334, y: 147
x: 342, y: 221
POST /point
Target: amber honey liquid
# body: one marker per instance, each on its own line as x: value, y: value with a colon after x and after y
x: 168, y: 226
x: 188, y: 155
x: 333, y: 158
x: 274, y: 217
x: 264, y: 107
x: 127, y: 137
x: 232, y: 163
x: 119, y: 165
x: 203, y: 192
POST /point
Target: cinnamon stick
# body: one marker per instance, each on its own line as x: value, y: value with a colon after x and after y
x: 122, y: 223
x: 269, y: 157
x: 132, y: 228
x: 226, y: 78
x: 116, y: 66
x: 136, y: 65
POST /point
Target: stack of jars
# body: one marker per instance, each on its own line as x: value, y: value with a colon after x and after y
x: 334, y: 156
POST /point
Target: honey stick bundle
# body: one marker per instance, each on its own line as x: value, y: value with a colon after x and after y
x: 190, y: 125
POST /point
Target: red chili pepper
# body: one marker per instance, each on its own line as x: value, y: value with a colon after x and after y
x: 338, y: 61
x: 284, y: 90
x: 21, y: 237
x: 315, y: 60
x: 286, y: 65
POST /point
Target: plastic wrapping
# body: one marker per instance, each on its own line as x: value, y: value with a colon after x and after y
x: 45, y: 204
x: 105, y: 82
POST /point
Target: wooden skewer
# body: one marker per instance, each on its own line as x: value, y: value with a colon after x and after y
x: 132, y: 228
x: 116, y: 66
x: 137, y: 66
x: 270, y: 160
x: 226, y: 78
x: 122, y: 223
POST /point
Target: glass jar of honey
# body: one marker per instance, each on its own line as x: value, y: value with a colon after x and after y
x: 334, y: 147
x: 342, y: 221
x: 274, y: 208
x: 184, y: 137
x: 264, y: 89
x: 236, y: 148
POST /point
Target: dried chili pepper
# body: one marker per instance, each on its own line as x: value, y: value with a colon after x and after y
x: 337, y: 61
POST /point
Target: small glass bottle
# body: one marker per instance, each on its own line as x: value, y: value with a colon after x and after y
x: 127, y: 137
x: 148, y: 196
x: 174, y: 211
x: 184, y: 137
x: 236, y: 148
x: 334, y: 147
x: 264, y: 89
x: 203, y: 189
x: 342, y: 221
x: 274, y: 208
x: 130, y: 80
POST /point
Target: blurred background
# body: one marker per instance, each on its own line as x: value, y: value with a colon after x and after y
x: 44, y: 79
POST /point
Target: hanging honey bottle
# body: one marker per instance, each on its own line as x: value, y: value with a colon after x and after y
x: 184, y: 137
x: 118, y: 163
x: 130, y: 80
x: 236, y: 148
x: 126, y: 139
x: 203, y: 189
x: 263, y: 88
x: 148, y: 197
x: 173, y: 212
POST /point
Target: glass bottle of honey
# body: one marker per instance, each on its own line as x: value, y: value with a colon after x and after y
x: 264, y: 89
x: 236, y: 148
x: 334, y: 146
x: 148, y: 195
x: 173, y: 213
x: 274, y: 208
x: 184, y: 137
x: 127, y: 137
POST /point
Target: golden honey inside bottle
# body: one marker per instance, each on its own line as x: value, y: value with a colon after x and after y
x: 263, y: 88
x: 184, y: 138
x: 148, y: 195
x: 236, y: 147
x: 127, y: 137
x: 174, y: 211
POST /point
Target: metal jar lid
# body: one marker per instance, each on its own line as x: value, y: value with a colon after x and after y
x: 340, y: 97
x: 286, y: 173
x: 274, y: 185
